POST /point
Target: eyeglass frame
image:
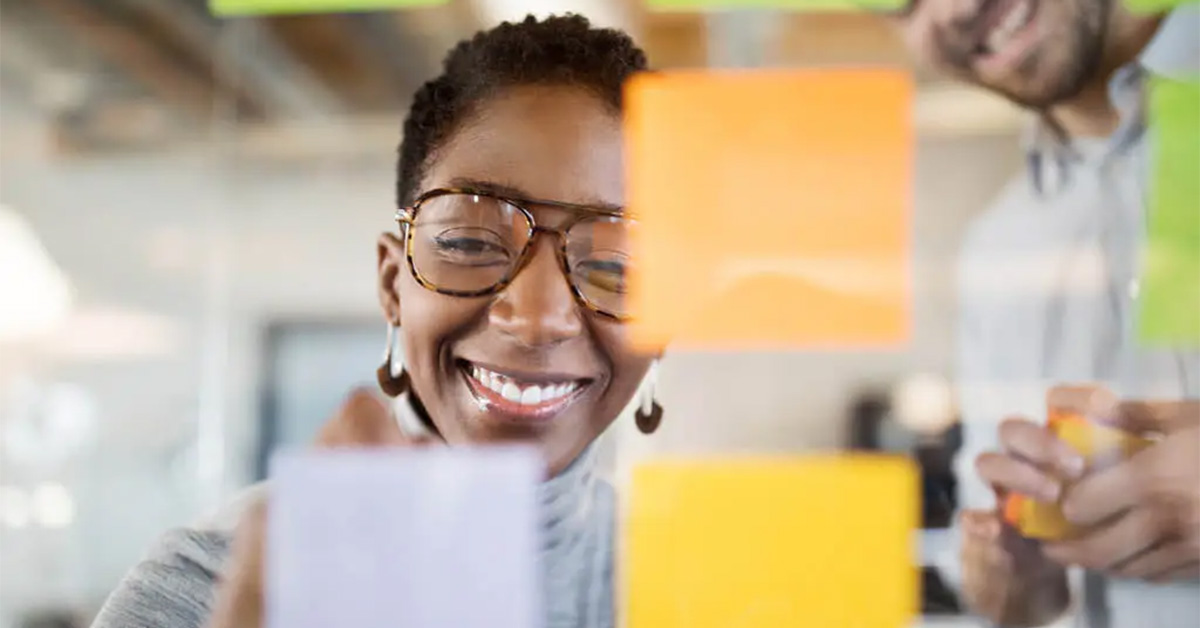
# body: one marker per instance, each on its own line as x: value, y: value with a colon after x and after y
x: 406, y: 218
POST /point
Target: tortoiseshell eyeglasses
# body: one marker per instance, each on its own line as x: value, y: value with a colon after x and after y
x: 469, y: 243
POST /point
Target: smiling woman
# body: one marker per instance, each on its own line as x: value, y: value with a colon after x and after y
x: 512, y: 248
x: 505, y: 282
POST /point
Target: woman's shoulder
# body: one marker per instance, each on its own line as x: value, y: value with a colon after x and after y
x: 173, y: 586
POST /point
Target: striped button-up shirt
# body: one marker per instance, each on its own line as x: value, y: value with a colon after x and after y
x: 1048, y: 284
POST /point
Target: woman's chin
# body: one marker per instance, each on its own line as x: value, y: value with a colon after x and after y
x: 554, y: 427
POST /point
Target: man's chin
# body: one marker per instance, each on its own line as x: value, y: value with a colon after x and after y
x: 1038, y: 98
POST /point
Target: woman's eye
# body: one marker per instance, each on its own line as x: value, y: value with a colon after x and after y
x: 465, y: 245
x: 610, y: 275
x: 471, y: 250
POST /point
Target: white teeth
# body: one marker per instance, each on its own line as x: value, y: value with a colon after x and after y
x: 526, y: 395
x: 531, y: 396
x: 1016, y: 18
x: 511, y: 392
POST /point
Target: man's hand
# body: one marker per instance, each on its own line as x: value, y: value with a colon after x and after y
x: 362, y: 421
x: 1005, y: 577
x: 1009, y: 579
x: 1031, y: 462
x: 1143, y: 513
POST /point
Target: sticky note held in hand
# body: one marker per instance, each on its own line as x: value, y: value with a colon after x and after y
x: 1100, y: 446
x: 269, y: 7
x: 772, y: 208
x: 822, y: 541
x: 1169, y: 299
x: 376, y: 539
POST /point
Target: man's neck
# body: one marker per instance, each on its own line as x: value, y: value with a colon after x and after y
x: 1091, y: 113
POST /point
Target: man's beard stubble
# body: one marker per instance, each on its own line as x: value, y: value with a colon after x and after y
x: 1086, y: 35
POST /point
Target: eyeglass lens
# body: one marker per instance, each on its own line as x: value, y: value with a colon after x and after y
x: 473, y: 243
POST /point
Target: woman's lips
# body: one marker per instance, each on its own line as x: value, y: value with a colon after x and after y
x: 512, y: 398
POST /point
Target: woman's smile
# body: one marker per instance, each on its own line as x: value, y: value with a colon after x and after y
x: 515, y: 396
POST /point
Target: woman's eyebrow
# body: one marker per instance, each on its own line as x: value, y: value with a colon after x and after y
x: 516, y: 193
x: 490, y: 187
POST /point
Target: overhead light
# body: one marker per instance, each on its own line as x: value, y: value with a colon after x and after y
x: 34, y: 294
x: 53, y: 506
x: 924, y: 403
x: 112, y: 333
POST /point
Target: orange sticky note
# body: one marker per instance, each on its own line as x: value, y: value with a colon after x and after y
x: 773, y: 208
x: 823, y: 541
x: 1100, y: 445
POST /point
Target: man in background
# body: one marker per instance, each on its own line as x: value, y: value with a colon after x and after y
x: 1048, y: 287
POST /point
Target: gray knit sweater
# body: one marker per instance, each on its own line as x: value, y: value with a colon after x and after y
x: 174, y: 586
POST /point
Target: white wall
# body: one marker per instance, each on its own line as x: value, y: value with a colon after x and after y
x: 135, y: 232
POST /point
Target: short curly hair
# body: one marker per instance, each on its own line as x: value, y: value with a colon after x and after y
x: 561, y: 50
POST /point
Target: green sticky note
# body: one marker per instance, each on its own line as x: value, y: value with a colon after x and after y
x: 1154, y: 6
x: 793, y: 5
x: 1170, y: 288
x: 275, y: 7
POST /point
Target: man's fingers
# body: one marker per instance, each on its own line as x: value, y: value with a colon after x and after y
x: 1104, y: 493
x: 364, y: 420
x: 1163, y: 559
x: 1111, y: 545
x: 1150, y: 417
x: 980, y: 524
x: 985, y: 564
x: 1010, y: 475
x: 1039, y: 446
x: 1185, y: 573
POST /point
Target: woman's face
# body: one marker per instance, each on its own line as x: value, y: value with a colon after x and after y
x: 548, y: 143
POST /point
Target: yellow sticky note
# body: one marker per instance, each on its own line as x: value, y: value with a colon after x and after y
x: 823, y: 542
x: 773, y: 208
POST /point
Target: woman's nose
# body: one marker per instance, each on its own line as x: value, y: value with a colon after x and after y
x: 538, y: 307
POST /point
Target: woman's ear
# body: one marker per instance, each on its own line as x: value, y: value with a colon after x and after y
x: 391, y: 261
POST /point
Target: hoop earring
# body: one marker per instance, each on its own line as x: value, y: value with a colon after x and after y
x: 393, y: 379
x: 649, y: 414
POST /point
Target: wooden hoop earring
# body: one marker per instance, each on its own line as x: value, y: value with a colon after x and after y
x: 393, y: 379
x: 648, y: 422
x: 649, y: 414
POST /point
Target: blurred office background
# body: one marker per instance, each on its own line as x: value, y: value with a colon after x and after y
x: 188, y: 209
